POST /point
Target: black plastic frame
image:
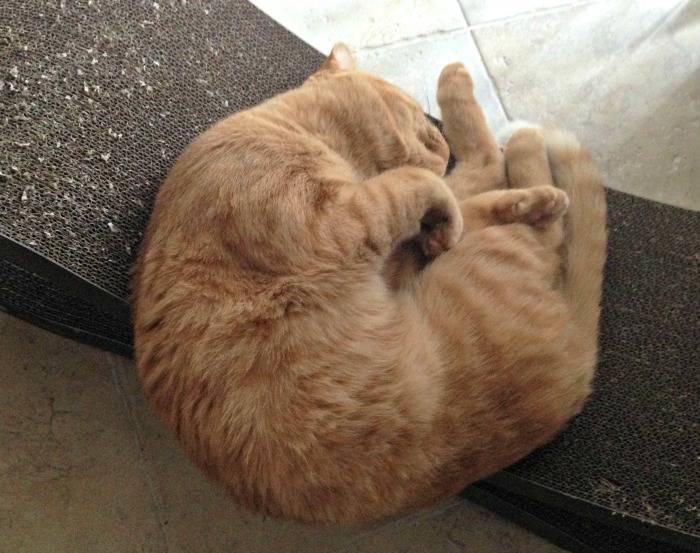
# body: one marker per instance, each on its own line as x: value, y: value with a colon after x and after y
x: 509, y: 482
x: 578, y: 534
x: 74, y: 285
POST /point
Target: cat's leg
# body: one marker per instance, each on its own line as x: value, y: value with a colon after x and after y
x: 479, y: 160
x: 468, y: 179
x: 526, y: 158
x: 537, y: 207
x: 374, y: 216
x: 465, y: 125
x: 527, y: 166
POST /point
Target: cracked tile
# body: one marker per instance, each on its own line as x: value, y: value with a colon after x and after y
x: 71, y: 477
x: 407, y: 43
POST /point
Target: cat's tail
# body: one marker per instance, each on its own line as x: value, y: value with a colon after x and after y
x: 574, y: 172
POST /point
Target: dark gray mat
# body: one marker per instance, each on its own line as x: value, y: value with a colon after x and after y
x: 577, y: 534
x: 97, y: 100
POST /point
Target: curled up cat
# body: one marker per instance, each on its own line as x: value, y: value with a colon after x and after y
x: 335, y: 331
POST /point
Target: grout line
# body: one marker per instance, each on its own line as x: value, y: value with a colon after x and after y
x: 517, y: 17
x: 159, y: 507
x: 407, y: 41
x: 527, y: 14
x: 483, y: 62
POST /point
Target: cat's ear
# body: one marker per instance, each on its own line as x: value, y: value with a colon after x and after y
x: 340, y: 59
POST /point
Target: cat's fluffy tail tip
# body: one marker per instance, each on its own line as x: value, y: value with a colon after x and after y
x: 555, y: 139
x: 508, y: 130
x: 561, y: 140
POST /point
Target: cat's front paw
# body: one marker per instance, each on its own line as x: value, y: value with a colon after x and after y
x: 538, y: 205
x: 441, y: 228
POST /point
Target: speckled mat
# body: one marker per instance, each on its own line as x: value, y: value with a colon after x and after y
x: 96, y: 101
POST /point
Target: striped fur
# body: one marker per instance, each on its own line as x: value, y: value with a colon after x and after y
x: 292, y: 333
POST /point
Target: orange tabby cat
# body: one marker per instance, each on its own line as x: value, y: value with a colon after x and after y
x: 316, y: 382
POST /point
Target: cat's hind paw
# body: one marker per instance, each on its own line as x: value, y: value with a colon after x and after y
x: 538, y: 205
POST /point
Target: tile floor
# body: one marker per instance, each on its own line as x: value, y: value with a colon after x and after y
x: 84, y: 467
x: 623, y: 75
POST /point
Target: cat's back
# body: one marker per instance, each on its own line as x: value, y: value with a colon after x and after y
x: 216, y: 254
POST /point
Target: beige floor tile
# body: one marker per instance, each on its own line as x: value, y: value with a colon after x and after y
x: 623, y: 76
x: 71, y: 477
x: 362, y: 23
x: 463, y: 527
x: 415, y: 68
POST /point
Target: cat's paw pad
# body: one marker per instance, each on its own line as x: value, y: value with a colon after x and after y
x: 454, y: 82
x: 440, y: 230
x: 538, y: 206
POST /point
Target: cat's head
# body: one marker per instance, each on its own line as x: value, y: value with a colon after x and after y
x: 405, y: 136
